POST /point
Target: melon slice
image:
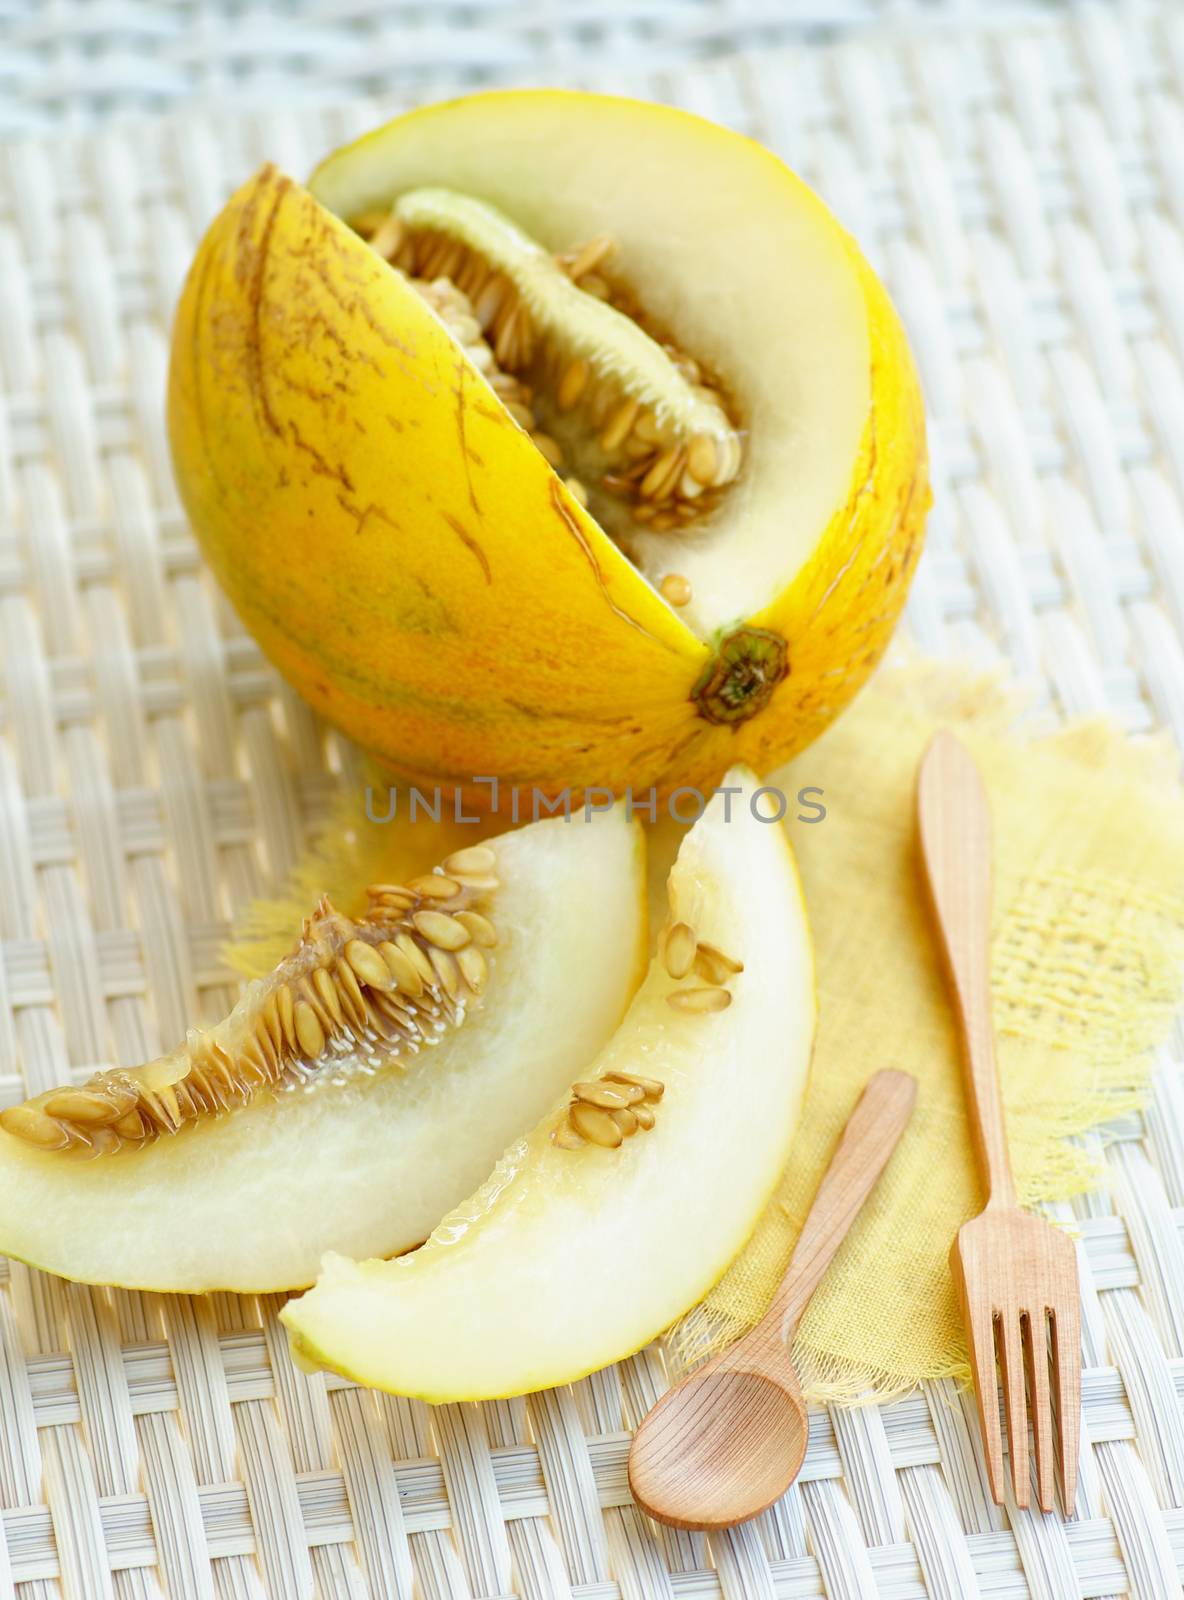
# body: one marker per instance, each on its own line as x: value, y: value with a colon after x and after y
x: 355, y: 1095
x: 628, y: 1200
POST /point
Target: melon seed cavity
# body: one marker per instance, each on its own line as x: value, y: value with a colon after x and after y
x: 641, y: 434
x: 353, y: 998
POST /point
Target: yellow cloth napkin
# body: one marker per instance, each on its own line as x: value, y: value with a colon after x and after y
x: 1087, y: 952
x: 1087, y: 946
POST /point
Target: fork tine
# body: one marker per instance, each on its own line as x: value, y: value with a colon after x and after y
x: 1066, y: 1366
x: 1036, y: 1353
x: 981, y: 1330
x: 1011, y: 1359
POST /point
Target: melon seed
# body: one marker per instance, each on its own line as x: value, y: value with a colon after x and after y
x: 269, y: 1020
x: 407, y: 945
x: 446, y: 970
x: 475, y: 858
x: 608, y: 1095
x: 714, y: 965
x: 678, y: 953
x: 368, y: 965
x: 650, y: 1087
x: 618, y: 428
x: 131, y: 1127
x: 434, y: 886
x: 401, y: 969
x: 675, y: 589
x: 703, y: 459
x: 596, y: 1125
x: 588, y: 257
x: 388, y: 235
x: 441, y: 930
x: 309, y: 1034
x: 473, y: 967
x: 329, y: 996
x: 711, y: 999
x: 394, y: 895
x: 32, y: 1125
x: 572, y: 385
x: 83, y: 1106
x: 566, y: 1137
x: 663, y: 474
x: 283, y: 998
x: 351, y: 994
x: 480, y: 928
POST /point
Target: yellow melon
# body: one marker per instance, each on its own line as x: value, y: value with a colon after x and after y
x: 554, y: 437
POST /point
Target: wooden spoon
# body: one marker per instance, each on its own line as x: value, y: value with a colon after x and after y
x: 728, y: 1440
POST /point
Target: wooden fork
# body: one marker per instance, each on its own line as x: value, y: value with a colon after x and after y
x: 1016, y: 1274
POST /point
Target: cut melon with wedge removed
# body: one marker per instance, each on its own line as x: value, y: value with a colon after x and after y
x: 554, y: 436
x: 316, y: 1116
x: 569, y: 1258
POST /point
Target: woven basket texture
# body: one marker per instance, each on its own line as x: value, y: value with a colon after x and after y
x: 1022, y: 191
x: 74, y: 61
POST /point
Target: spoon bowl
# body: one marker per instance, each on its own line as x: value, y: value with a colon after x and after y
x: 728, y: 1440
x: 693, y: 1465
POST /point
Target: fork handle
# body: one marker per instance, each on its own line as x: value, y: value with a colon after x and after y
x: 955, y: 827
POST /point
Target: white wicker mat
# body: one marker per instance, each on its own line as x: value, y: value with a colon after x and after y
x: 1022, y: 190
x: 72, y: 62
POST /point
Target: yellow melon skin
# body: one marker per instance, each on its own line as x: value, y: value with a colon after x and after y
x: 410, y: 563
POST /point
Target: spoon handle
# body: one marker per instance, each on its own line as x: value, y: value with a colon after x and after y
x: 869, y: 1138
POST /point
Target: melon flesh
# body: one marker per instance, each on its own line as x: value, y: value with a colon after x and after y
x: 252, y: 1199
x: 568, y: 1259
x: 734, y: 255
